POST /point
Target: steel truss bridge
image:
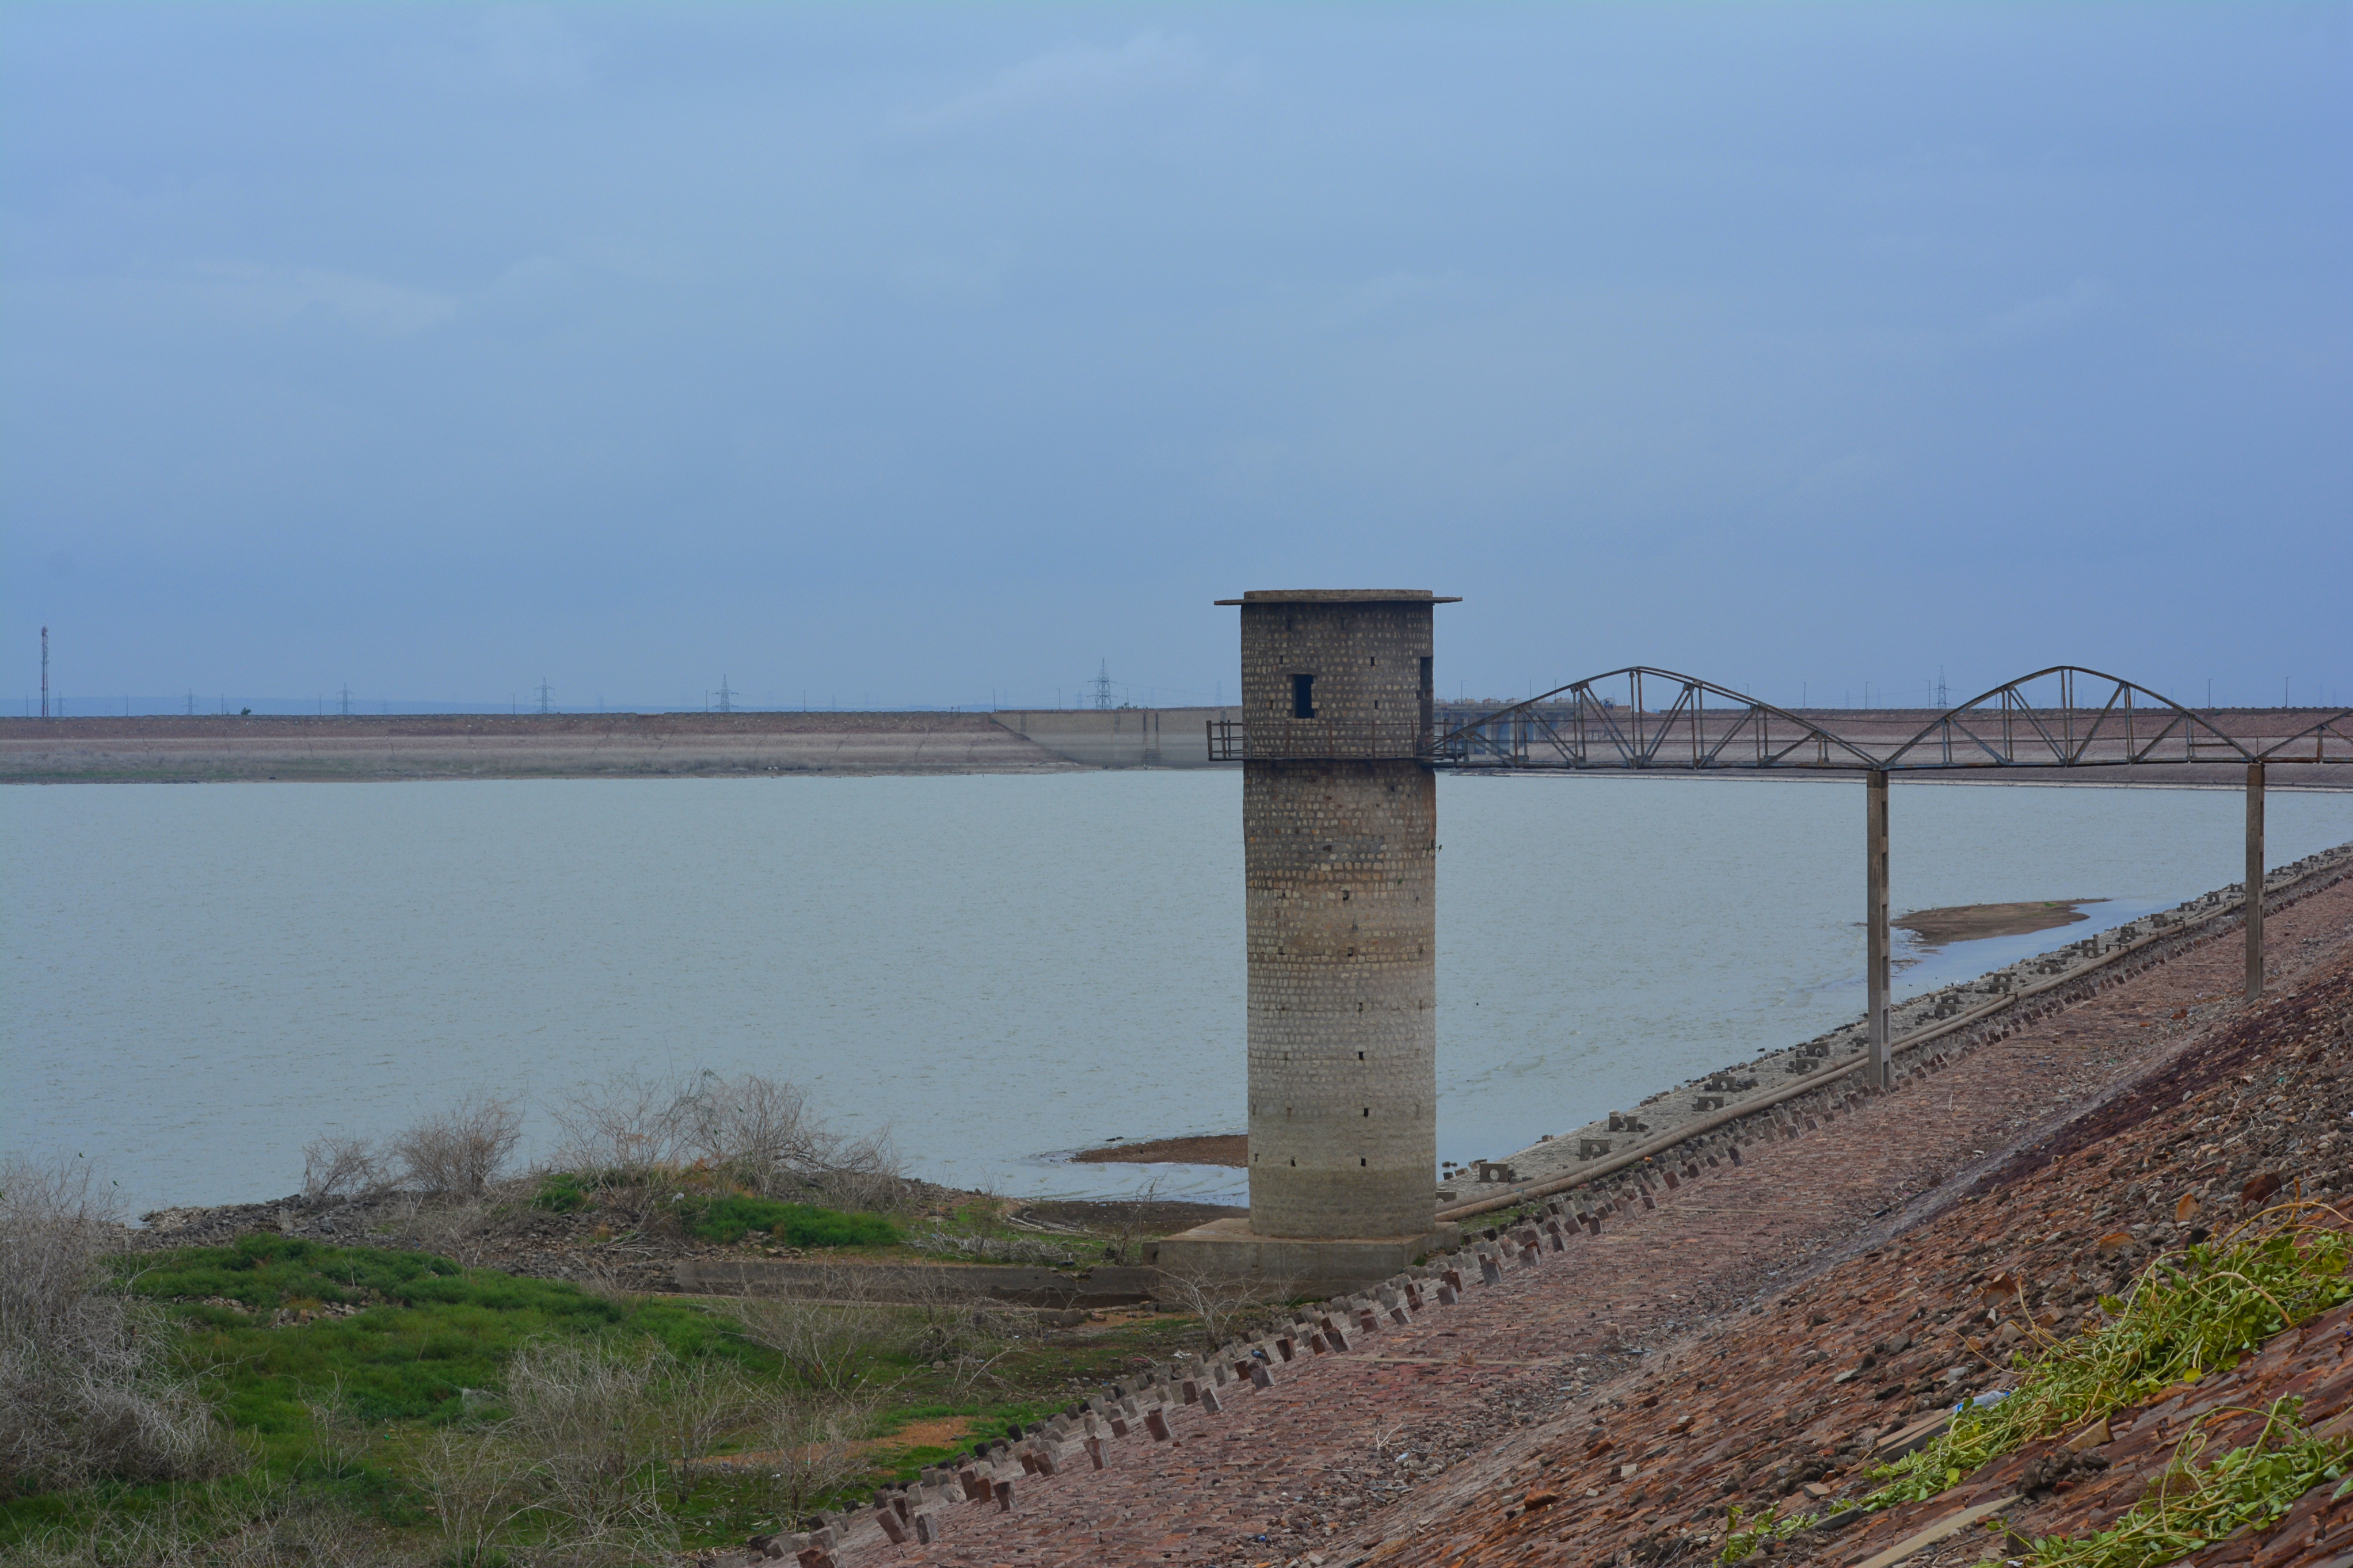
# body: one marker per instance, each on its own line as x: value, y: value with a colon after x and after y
x: 1645, y: 720
x: 1651, y: 719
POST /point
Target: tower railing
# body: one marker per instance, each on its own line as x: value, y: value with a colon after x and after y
x: 1318, y: 740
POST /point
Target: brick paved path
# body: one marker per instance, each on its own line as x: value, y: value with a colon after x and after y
x: 1313, y: 1463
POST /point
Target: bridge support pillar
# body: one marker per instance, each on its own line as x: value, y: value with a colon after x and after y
x: 1879, y: 1069
x: 2254, y: 883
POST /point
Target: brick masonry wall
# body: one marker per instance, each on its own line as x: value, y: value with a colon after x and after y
x: 1341, y: 876
x: 1340, y: 872
x: 1371, y: 693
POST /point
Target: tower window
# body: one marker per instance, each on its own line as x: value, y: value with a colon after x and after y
x: 1303, y: 696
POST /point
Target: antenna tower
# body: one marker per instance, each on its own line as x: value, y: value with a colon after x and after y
x: 1101, y: 684
x: 347, y: 698
x: 546, y: 696
x: 726, y: 697
x: 1943, y: 701
x: 45, y: 672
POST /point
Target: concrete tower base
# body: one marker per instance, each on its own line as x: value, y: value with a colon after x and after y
x: 1226, y: 1252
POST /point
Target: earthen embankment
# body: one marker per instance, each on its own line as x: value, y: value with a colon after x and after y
x: 382, y: 748
x: 472, y: 746
x: 1751, y: 1330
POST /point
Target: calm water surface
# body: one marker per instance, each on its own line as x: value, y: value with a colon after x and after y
x: 198, y: 980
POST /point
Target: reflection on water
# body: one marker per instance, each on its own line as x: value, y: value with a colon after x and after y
x: 199, y: 980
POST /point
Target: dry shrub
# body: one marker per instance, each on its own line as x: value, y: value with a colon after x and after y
x: 1226, y: 1303
x: 459, y: 1151
x: 760, y: 1134
x: 948, y: 1321
x: 341, y: 1440
x: 475, y: 1485
x: 276, y: 1530
x: 754, y: 1130
x: 807, y: 1445
x: 465, y: 1231
x: 577, y: 1463
x: 623, y: 1133
x: 337, y: 1169
x: 831, y: 1334
x: 994, y: 1248
x: 864, y: 1173
x: 1134, y: 1224
x: 586, y: 1416
x: 702, y: 1402
x: 637, y: 1134
x: 84, y: 1391
x: 624, y: 1127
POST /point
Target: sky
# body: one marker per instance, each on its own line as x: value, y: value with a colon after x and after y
x: 879, y: 355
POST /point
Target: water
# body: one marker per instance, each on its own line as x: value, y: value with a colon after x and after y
x: 198, y: 980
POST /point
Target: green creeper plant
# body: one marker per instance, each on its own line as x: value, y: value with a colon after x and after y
x: 2191, y: 1314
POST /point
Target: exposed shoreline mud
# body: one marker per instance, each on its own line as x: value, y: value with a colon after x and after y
x: 1975, y: 922
x: 1230, y: 1149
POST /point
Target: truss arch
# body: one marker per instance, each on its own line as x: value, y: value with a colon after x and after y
x: 2096, y: 719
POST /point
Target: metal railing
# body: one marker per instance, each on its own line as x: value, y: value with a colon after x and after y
x: 1647, y: 718
x: 1318, y: 740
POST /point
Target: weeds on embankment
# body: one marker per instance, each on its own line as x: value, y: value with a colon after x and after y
x: 2190, y: 1315
x: 2192, y: 1505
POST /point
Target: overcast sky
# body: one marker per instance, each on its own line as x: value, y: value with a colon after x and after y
x: 907, y: 355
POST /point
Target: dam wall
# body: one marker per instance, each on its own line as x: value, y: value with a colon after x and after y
x: 1121, y: 737
x: 556, y: 745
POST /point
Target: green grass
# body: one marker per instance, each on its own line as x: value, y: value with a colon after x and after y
x: 730, y: 1218
x: 426, y: 1330
x: 561, y: 1193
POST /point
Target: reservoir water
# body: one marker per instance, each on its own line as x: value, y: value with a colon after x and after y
x: 1000, y: 969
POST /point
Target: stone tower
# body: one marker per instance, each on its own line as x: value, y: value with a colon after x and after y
x: 1339, y: 827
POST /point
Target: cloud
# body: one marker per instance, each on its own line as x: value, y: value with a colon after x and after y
x: 1077, y: 76
x: 520, y: 48
x: 2052, y: 312
x: 372, y: 304
x: 1390, y: 293
x: 974, y: 274
x: 1834, y: 487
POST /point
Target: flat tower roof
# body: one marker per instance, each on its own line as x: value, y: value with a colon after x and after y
x: 1342, y: 596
